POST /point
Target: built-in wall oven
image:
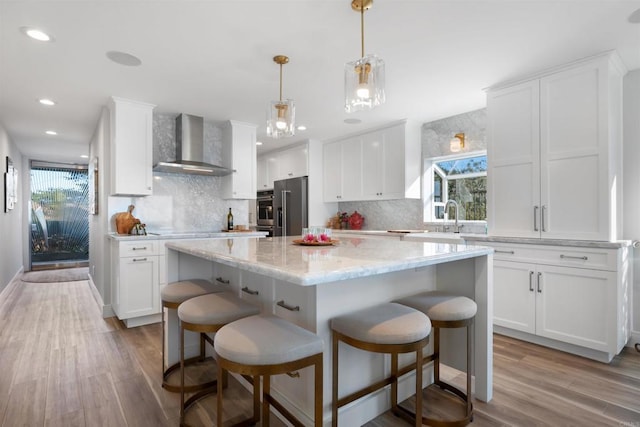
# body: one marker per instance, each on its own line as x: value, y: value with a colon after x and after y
x: 264, y: 211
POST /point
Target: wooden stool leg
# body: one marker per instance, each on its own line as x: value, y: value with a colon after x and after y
x: 202, y: 347
x: 163, y: 338
x: 419, y: 388
x: 266, y: 391
x: 469, y: 355
x: 436, y: 355
x: 181, y: 373
x: 319, y: 390
x: 334, y: 387
x: 394, y: 384
x: 219, y: 400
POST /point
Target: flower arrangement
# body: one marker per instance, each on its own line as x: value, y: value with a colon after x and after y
x: 316, y: 234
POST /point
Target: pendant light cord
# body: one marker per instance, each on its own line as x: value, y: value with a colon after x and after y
x: 280, y: 82
x: 362, y: 25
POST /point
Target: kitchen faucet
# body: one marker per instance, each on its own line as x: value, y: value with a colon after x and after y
x: 456, y: 227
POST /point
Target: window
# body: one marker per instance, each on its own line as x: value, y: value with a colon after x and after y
x: 460, y: 178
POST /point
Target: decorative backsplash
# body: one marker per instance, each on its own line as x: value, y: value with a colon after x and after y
x: 387, y: 214
x: 183, y: 202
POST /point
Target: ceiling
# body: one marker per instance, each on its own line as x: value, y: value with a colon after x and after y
x: 214, y: 59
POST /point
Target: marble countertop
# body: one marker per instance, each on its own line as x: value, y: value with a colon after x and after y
x: 548, y: 242
x: 188, y: 235
x: 352, y: 257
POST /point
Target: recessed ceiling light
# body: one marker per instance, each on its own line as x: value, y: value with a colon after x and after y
x: 302, y: 127
x: 47, y: 102
x: 36, y: 34
x: 51, y: 132
x: 123, y: 58
x: 352, y: 121
x: 634, y: 18
x: 84, y: 156
x: 258, y: 143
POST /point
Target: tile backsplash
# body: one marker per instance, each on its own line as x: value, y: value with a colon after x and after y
x: 182, y: 202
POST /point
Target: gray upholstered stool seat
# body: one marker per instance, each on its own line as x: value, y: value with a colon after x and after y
x: 207, y: 314
x: 385, y: 328
x: 172, y: 295
x: 446, y: 310
x: 262, y: 346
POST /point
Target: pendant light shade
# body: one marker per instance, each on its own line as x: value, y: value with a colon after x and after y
x: 363, y: 78
x: 281, y: 114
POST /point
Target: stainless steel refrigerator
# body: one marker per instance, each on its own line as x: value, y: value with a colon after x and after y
x: 290, y: 205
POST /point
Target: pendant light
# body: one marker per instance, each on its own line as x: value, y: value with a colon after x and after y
x: 281, y: 115
x: 363, y: 78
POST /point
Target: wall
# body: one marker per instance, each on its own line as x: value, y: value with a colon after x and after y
x: 631, y: 185
x: 183, y: 202
x: 11, y: 230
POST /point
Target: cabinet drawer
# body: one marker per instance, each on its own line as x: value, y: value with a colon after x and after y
x: 295, y: 303
x: 569, y: 256
x: 257, y: 290
x: 139, y: 248
x: 227, y: 276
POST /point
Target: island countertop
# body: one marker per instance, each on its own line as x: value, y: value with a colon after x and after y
x: 350, y: 258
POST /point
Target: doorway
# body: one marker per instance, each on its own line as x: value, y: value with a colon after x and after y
x: 59, y: 215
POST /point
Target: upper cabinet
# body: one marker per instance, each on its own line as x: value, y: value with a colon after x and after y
x: 131, y: 149
x: 239, y: 154
x: 555, y: 153
x: 289, y: 163
x: 378, y: 165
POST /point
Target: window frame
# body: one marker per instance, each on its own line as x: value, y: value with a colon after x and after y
x: 430, y: 167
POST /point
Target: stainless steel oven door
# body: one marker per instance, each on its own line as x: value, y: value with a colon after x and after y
x: 264, y: 208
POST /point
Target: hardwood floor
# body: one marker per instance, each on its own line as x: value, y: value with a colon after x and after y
x: 61, y: 364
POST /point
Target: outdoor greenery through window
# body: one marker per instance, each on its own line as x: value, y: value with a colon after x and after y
x: 465, y: 181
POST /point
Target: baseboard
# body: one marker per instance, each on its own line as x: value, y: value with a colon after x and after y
x: 635, y: 338
x: 107, y: 310
x: 15, y: 279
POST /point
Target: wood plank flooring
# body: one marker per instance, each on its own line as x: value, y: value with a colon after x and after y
x: 61, y: 364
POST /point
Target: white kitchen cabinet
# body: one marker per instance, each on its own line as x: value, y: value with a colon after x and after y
x: 239, y: 154
x: 554, y: 153
x: 559, y: 295
x: 379, y: 165
x: 289, y: 163
x: 131, y: 147
x: 139, y: 272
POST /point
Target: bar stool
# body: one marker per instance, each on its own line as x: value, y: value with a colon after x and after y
x: 262, y: 346
x: 172, y: 296
x: 207, y: 314
x: 386, y: 328
x: 446, y: 310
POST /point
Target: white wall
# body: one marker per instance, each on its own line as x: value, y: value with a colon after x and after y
x: 631, y: 182
x: 11, y: 231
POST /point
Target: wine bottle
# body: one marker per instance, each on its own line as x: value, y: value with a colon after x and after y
x: 230, y: 221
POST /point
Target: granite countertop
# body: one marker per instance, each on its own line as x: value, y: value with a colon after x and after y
x: 351, y: 257
x: 188, y: 235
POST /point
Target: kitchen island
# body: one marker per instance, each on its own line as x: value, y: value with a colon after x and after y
x: 309, y: 285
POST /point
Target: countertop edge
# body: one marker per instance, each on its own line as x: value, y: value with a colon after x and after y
x: 186, y: 236
x: 550, y: 242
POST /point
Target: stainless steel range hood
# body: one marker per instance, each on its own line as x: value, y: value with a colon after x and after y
x: 190, y: 150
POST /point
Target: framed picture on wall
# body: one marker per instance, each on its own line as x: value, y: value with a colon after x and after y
x: 10, y: 186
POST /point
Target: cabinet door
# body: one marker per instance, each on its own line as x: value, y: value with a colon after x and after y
x: 373, y: 166
x: 394, y: 182
x: 513, y: 156
x: 332, y: 172
x: 577, y: 306
x: 239, y: 154
x: 138, y: 286
x: 131, y: 147
x: 262, y: 174
x: 293, y: 162
x: 352, y: 169
x: 573, y: 153
x: 514, y: 295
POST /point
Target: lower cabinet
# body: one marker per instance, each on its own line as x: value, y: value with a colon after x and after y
x: 563, y: 295
x: 138, y: 273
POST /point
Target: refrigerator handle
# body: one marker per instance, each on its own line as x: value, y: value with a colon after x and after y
x: 284, y: 212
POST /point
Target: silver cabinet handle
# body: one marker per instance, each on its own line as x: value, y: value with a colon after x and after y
x: 539, y: 280
x: 139, y: 259
x: 139, y: 249
x: 504, y: 252
x: 249, y: 291
x: 288, y: 307
x: 531, y: 281
x: 535, y: 218
x: 221, y: 280
x: 544, y: 210
x: 584, y: 258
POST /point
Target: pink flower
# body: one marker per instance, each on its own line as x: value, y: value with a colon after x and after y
x: 324, y: 238
x: 309, y: 238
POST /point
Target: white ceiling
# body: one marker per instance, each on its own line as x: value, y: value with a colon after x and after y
x: 214, y: 59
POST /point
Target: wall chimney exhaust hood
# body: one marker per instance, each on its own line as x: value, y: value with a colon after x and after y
x: 190, y: 150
